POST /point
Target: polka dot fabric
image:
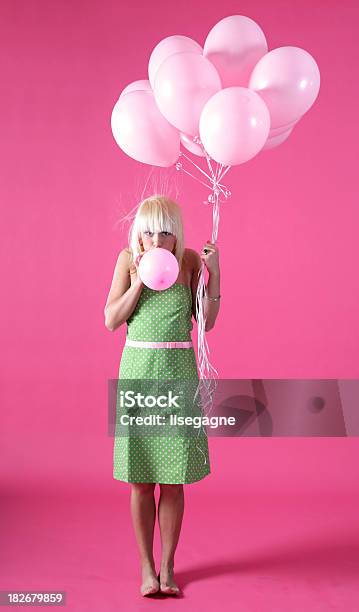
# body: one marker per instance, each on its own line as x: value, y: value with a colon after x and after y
x: 160, y: 316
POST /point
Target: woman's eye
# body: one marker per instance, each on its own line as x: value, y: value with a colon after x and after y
x: 150, y: 234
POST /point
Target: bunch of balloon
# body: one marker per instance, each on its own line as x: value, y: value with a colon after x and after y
x: 223, y: 102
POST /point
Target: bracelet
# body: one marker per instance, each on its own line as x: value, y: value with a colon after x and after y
x: 213, y: 299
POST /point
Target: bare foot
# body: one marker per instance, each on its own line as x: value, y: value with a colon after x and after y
x: 167, y: 583
x: 150, y: 584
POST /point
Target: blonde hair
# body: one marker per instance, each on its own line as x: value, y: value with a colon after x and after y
x: 157, y: 213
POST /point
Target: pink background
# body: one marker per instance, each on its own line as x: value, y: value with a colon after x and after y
x: 260, y: 528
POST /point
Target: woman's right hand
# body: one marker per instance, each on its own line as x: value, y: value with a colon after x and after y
x: 134, y: 275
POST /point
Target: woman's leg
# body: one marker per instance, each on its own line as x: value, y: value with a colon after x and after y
x: 143, y: 509
x: 170, y: 514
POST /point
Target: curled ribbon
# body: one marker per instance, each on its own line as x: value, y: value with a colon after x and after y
x: 208, y: 373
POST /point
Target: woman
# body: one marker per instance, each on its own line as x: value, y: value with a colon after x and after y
x: 155, y: 317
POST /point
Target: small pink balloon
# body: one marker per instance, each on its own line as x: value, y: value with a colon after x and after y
x: 282, y: 129
x: 288, y: 80
x: 158, y: 269
x: 142, y: 132
x: 234, y: 46
x: 193, y: 147
x: 234, y: 125
x: 275, y: 141
x: 183, y: 84
x: 141, y: 85
x: 169, y: 46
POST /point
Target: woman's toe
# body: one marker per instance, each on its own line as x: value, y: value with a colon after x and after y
x: 149, y: 589
x: 169, y: 590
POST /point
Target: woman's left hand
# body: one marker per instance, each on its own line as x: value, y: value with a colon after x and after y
x: 210, y: 257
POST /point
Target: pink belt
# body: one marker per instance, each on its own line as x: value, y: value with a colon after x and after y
x: 144, y: 344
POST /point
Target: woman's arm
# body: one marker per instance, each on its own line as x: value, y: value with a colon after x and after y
x: 123, y: 295
x: 211, y: 308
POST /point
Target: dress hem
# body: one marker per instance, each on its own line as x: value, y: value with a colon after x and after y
x: 161, y: 482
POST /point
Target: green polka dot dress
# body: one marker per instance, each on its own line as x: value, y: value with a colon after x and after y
x: 160, y: 316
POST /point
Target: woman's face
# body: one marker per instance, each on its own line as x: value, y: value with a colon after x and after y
x: 151, y: 240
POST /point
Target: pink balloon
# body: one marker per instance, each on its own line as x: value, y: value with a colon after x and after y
x: 158, y: 269
x: 282, y: 129
x: 234, y: 46
x: 193, y: 147
x: 288, y: 80
x: 169, y: 46
x: 275, y: 141
x: 183, y: 84
x: 142, y: 132
x: 141, y: 85
x: 234, y: 125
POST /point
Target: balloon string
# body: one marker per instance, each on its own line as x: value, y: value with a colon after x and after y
x: 214, y: 184
x: 222, y: 189
x: 208, y: 375
x: 225, y: 172
x: 180, y: 167
x: 198, y: 167
x: 218, y: 171
x: 208, y: 159
x: 198, y: 141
